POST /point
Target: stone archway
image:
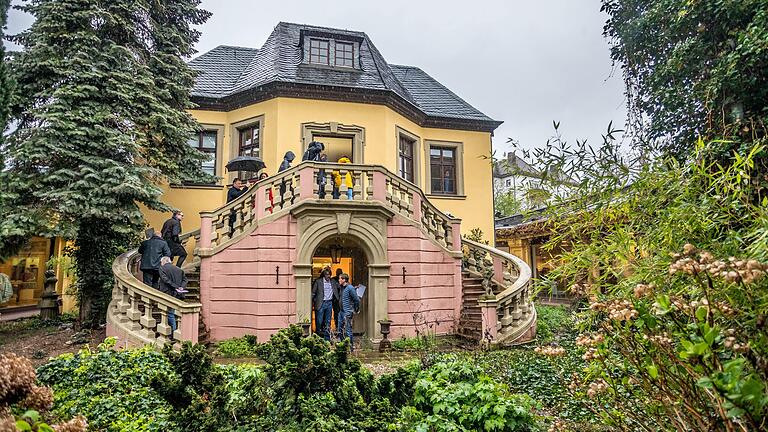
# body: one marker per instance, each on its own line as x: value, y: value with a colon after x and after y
x: 367, y: 226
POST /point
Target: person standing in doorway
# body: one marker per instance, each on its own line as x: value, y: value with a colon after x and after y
x: 336, y: 303
x: 171, y: 232
x: 324, y: 292
x: 350, y: 305
x: 152, y: 250
x: 235, y: 192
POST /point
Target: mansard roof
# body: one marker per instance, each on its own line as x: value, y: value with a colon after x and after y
x: 230, y: 77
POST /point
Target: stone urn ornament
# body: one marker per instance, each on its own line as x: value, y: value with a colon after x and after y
x: 305, y: 327
x: 385, y: 344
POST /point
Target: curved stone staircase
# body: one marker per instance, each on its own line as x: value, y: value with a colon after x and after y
x: 496, y: 305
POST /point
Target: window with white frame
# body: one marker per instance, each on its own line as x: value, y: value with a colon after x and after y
x: 205, y: 142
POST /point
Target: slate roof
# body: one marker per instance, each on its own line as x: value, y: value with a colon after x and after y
x: 228, y: 71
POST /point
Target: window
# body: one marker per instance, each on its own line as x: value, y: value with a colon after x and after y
x: 318, y: 51
x: 344, y: 54
x: 205, y: 141
x: 442, y: 161
x: 249, y: 141
x: 405, y: 162
x: 509, y: 182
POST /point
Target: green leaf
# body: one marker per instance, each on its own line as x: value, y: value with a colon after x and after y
x: 653, y: 371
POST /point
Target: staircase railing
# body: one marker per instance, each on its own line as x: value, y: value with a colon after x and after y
x: 140, y: 313
x: 508, y: 300
x: 328, y: 183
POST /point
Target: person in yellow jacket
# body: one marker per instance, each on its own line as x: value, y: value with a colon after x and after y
x: 347, y: 180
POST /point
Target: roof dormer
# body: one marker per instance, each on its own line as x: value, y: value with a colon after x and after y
x: 326, y: 49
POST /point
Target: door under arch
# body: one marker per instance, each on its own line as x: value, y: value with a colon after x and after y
x: 342, y: 253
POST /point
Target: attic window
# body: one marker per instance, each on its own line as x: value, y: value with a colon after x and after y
x: 319, y: 51
x: 345, y: 54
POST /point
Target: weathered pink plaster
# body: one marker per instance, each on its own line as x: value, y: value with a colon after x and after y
x: 429, y: 299
x: 249, y: 287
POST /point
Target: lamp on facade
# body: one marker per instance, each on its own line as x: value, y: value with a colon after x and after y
x: 336, y: 251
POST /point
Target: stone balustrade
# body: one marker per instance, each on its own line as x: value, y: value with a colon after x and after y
x: 327, y: 182
x: 507, y: 279
x: 138, y: 314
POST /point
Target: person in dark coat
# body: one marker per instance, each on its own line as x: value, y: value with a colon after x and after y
x: 152, y: 250
x: 321, y: 180
x: 313, y: 151
x: 324, y: 292
x: 171, y: 232
x: 350, y: 305
x: 287, y: 160
x: 173, y: 282
x: 235, y: 192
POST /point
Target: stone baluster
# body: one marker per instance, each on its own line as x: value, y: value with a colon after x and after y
x: 124, y: 303
x: 163, y: 329
x: 357, y: 191
x: 369, y: 186
x: 133, y: 312
x: 148, y: 321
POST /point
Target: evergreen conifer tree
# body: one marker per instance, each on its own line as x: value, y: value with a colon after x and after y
x: 103, y: 90
x: 5, y: 82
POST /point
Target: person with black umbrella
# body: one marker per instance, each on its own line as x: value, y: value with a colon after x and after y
x: 235, y: 192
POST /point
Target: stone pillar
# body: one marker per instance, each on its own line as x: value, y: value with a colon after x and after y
x: 206, y: 229
x: 378, y: 298
x: 489, y: 319
x: 306, y: 183
x: 456, y: 232
x: 303, y: 274
x: 379, y: 186
x: 189, y: 326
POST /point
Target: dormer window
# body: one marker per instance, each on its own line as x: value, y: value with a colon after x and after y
x: 335, y: 51
x: 345, y: 54
x: 319, y: 51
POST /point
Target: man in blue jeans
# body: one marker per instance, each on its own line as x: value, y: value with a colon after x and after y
x: 350, y: 304
x: 324, y: 292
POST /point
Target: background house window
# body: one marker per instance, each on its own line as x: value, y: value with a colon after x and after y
x: 318, y: 51
x: 344, y: 54
x: 205, y: 142
x: 442, y: 162
x: 249, y: 141
x: 509, y: 182
x: 405, y: 163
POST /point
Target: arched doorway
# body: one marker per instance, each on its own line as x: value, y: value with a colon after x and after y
x: 364, y: 229
x: 344, y: 254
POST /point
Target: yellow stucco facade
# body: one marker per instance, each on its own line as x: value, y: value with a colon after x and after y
x: 281, y: 130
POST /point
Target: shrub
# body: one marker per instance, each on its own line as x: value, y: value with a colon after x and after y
x: 237, y: 347
x: 111, y: 389
x: 455, y: 395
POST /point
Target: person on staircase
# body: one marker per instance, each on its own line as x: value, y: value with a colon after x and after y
x: 235, y: 192
x: 350, y: 305
x: 152, y: 250
x: 324, y: 292
x: 171, y: 232
x: 173, y: 282
x: 347, y: 179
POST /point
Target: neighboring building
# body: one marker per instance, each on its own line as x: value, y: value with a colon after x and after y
x: 26, y: 271
x: 524, y: 235
x: 532, y: 188
x: 418, y: 176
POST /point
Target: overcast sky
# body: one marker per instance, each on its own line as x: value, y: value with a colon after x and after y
x: 526, y: 63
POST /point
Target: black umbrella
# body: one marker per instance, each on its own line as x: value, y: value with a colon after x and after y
x: 246, y: 163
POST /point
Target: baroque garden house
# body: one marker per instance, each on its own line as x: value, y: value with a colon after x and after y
x: 420, y: 179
